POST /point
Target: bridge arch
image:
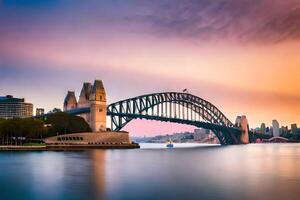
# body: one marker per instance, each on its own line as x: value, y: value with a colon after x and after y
x: 174, y: 107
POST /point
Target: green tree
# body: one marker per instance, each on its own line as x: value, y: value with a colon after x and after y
x: 12, y: 131
x: 63, y: 123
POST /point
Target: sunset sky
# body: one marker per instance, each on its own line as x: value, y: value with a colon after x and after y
x: 241, y: 55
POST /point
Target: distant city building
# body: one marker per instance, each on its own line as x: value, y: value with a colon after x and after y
x: 275, y: 126
x: 40, y: 111
x: 257, y: 130
x: 11, y: 107
x: 200, y: 134
x: 284, y: 130
x: 268, y: 130
x: 294, y: 128
x: 263, y: 128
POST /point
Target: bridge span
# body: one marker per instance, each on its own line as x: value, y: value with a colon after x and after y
x: 174, y: 107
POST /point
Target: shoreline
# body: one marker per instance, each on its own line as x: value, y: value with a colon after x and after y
x: 66, y: 147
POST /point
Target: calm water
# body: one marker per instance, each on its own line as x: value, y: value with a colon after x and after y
x: 263, y: 171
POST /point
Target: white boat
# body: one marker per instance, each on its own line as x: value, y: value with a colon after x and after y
x: 169, y: 143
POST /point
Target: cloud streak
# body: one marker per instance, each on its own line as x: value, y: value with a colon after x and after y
x: 233, y: 20
x: 140, y: 46
x: 225, y: 20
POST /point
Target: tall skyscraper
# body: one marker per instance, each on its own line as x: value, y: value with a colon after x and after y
x: 284, y: 129
x: 263, y: 128
x: 294, y: 128
x: 275, y: 125
x: 270, y: 131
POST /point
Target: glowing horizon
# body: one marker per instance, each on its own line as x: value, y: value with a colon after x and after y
x: 218, y: 50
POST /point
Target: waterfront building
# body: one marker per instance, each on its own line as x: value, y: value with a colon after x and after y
x: 275, y: 126
x: 294, y: 128
x: 100, y: 139
x: 263, y: 128
x: 39, y: 111
x: 11, y: 107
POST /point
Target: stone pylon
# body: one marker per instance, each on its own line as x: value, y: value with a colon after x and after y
x: 97, y: 102
x: 242, y: 122
x: 84, y: 100
x: 70, y: 101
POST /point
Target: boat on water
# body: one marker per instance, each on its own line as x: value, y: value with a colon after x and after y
x: 169, y: 143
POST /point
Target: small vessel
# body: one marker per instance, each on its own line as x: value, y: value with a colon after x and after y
x: 169, y: 143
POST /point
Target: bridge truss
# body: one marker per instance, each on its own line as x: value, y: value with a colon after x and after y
x: 174, y: 107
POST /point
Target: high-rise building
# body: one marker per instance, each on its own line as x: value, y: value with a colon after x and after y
x: 11, y: 107
x: 275, y: 126
x: 284, y: 130
x: 257, y: 130
x: 263, y: 128
x: 271, y: 131
x: 39, y: 111
x: 294, y: 128
x: 268, y: 131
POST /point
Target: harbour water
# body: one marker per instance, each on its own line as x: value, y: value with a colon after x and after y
x: 256, y: 171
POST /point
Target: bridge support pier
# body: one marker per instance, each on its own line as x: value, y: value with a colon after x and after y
x: 242, y: 122
x: 98, y: 107
x: 226, y: 137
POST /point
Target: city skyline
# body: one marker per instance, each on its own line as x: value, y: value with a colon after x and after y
x: 243, y: 66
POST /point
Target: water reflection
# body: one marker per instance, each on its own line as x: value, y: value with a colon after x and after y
x: 266, y: 171
x: 235, y: 172
x: 98, y: 163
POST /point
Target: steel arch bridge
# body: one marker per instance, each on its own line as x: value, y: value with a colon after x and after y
x: 174, y: 107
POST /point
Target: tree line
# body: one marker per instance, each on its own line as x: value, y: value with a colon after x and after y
x: 21, y: 131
